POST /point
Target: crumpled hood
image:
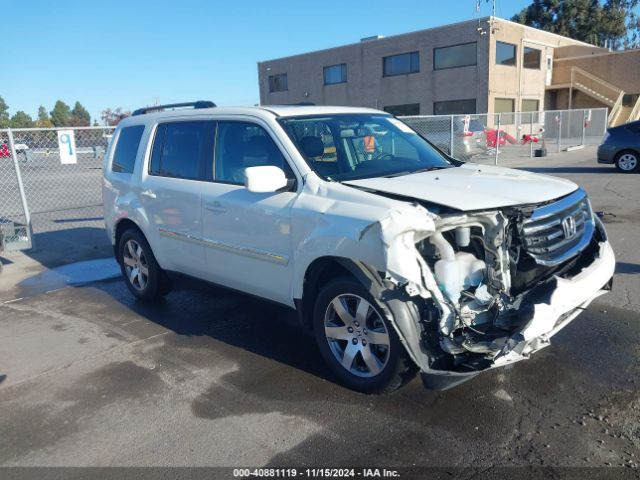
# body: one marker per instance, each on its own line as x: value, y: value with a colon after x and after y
x: 472, y: 187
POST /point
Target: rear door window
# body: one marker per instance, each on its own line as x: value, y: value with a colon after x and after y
x: 183, y: 149
x: 124, y: 157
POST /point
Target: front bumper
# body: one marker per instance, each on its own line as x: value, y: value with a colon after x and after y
x: 550, y: 315
x: 568, y: 300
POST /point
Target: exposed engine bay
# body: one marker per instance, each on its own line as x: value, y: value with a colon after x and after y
x: 495, y: 271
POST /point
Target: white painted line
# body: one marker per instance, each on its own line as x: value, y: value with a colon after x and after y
x: 55, y: 290
x: 14, y: 300
x: 132, y: 321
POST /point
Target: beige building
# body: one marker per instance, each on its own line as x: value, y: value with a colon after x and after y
x: 587, y: 77
x: 489, y: 65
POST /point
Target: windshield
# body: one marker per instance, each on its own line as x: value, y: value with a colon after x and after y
x: 349, y: 147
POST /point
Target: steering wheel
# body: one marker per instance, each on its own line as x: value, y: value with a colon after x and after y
x: 383, y: 156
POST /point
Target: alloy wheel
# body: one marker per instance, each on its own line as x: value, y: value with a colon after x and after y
x: 627, y: 162
x: 135, y: 265
x: 357, y: 335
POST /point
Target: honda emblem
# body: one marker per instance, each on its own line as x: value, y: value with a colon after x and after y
x: 569, y: 227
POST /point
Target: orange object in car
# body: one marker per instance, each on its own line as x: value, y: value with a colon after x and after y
x: 369, y: 144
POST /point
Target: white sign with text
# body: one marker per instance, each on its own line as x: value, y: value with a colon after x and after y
x: 67, y: 147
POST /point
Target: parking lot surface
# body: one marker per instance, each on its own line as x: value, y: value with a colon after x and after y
x: 90, y: 377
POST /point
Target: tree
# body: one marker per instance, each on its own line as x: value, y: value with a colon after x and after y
x: 4, y: 114
x: 113, y: 117
x: 61, y: 114
x: 610, y: 24
x: 21, y: 120
x: 43, y: 118
x: 80, y: 116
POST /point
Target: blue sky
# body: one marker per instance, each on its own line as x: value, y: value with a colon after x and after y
x: 127, y: 53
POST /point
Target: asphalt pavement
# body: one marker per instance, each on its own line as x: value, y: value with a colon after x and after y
x: 91, y: 377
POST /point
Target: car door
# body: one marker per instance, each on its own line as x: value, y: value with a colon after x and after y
x: 247, y: 235
x: 171, y: 193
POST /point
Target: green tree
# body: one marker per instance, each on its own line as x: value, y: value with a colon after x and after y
x: 61, y: 114
x: 21, y: 120
x: 4, y: 114
x: 611, y: 23
x: 43, y: 118
x: 80, y: 116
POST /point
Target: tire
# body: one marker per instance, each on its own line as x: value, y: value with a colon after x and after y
x: 628, y: 161
x: 135, y: 258
x: 367, y: 342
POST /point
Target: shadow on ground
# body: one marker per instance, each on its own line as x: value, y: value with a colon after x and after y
x: 199, y: 309
x: 61, y: 247
x: 626, y: 268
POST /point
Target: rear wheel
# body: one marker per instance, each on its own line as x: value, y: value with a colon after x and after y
x: 142, y: 274
x: 357, y: 340
x: 627, y: 161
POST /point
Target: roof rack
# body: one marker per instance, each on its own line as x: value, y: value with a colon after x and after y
x: 156, y: 108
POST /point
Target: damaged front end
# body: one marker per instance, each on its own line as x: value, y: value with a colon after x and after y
x: 495, y: 286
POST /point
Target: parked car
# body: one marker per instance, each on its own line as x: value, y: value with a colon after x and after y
x: 399, y: 258
x: 621, y: 146
x: 5, y: 152
x: 473, y: 137
x: 467, y: 142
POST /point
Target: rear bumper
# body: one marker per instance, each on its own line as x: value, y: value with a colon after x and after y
x: 606, y: 154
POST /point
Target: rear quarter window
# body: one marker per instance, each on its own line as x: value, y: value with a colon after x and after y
x: 124, y: 157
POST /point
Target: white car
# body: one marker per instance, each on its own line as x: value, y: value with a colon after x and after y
x: 400, y: 258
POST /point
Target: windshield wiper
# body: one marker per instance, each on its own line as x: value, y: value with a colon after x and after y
x: 406, y: 172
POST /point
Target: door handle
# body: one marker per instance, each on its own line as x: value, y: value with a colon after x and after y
x: 148, y: 193
x: 215, y: 207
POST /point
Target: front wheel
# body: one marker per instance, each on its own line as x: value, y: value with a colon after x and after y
x: 357, y: 341
x: 627, y: 162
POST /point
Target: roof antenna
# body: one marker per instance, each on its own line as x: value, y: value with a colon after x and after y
x: 492, y: 27
x: 481, y: 30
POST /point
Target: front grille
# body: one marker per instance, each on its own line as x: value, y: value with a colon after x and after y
x: 558, y: 231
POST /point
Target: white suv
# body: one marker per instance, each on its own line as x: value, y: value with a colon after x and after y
x: 400, y: 258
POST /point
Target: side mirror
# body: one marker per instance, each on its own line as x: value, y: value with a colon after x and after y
x: 264, y: 179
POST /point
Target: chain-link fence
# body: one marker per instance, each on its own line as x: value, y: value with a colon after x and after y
x: 13, y: 215
x: 485, y: 137
x: 50, y: 179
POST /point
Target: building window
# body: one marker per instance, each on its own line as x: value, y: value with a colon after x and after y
x: 278, y: 83
x: 505, y: 106
x: 454, y: 107
x: 505, y: 54
x: 529, y: 109
x: 401, y: 64
x: 531, y: 58
x: 403, y: 110
x: 530, y: 105
x: 335, y: 74
x: 454, y: 56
